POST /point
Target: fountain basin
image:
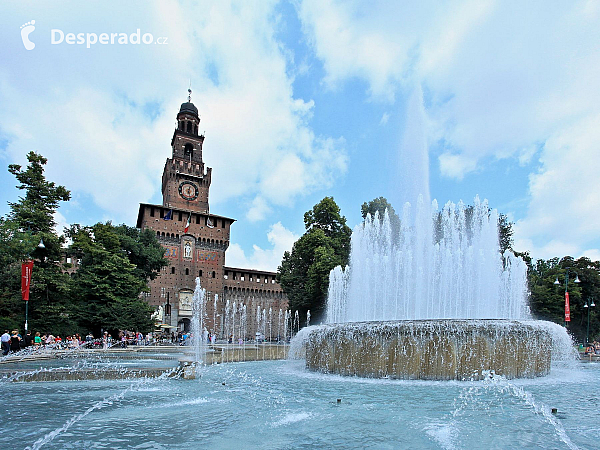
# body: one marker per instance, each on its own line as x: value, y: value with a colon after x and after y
x: 450, y: 349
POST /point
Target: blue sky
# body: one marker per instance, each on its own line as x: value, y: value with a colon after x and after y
x: 301, y: 100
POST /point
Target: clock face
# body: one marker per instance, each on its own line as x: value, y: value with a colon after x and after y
x: 188, y: 190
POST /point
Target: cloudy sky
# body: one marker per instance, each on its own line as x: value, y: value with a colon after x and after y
x: 301, y: 100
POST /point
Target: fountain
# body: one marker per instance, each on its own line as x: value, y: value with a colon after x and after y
x: 438, y: 301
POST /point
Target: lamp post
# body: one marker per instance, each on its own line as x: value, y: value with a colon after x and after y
x: 587, y: 333
x: 567, y: 305
x: 26, y: 273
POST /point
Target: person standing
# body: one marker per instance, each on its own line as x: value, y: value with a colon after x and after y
x: 15, y: 342
x: 5, y: 339
x: 28, y: 339
x: 37, y: 340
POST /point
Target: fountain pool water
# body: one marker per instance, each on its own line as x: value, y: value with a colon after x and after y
x: 281, y: 405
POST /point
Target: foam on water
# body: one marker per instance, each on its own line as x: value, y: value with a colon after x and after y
x: 290, y: 418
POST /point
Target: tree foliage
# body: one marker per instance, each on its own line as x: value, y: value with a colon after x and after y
x: 547, y: 299
x: 304, y: 272
x: 35, y: 211
x: 30, y: 221
x: 116, y: 264
x: 380, y: 205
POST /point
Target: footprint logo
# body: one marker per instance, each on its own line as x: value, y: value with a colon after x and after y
x: 26, y: 30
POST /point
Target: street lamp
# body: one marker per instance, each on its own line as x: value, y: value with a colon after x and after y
x: 26, y: 274
x: 587, y: 333
x: 567, y: 305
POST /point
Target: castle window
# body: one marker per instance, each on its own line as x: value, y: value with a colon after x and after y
x: 189, y: 127
x: 158, y: 234
x: 162, y: 213
x: 188, y: 150
x: 223, y: 223
x: 180, y: 216
x: 152, y: 211
x: 214, y: 274
x: 196, y: 129
x: 242, y: 278
x: 172, y: 269
x: 199, y: 273
x: 187, y: 271
x: 273, y: 281
x: 197, y: 219
x: 226, y: 277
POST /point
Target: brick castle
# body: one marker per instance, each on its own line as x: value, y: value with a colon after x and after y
x: 239, y: 301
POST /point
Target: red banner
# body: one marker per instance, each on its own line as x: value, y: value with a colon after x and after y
x: 26, y: 271
x: 567, y: 308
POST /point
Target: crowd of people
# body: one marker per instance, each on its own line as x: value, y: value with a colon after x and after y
x: 14, y: 341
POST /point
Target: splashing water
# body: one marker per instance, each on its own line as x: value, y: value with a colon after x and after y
x: 445, y: 266
x: 198, y: 312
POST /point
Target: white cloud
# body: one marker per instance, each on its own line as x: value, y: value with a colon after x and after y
x: 564, y: 201
x: 104, y: 116
x: 281, y: 240
x: 258, y: 210
x: 384, y: 118
x: 501, y: 80
x: 498, y: 80
x: 455, y: 166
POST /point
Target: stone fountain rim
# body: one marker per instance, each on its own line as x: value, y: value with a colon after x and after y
x: 436, y: 321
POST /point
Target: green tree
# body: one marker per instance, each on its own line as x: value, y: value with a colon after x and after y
x: 30, y: 220
x: 35, y: 211
x: 304, y: 272
x: 547, y: 299
x: 505, y: 233
x: 116, y: 264
x: 380, y: 204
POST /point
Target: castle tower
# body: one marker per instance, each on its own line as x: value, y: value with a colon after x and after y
x: 185, y: 183
x: 195, y: 241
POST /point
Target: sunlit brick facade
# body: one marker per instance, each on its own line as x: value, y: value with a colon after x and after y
x: 199, y: 252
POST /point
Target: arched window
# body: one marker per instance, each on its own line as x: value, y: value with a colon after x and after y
x: 199, y: 273
x: 189, y: 127
x: 188, y: 150
x: 187, y: 271
x: 214, y: 274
